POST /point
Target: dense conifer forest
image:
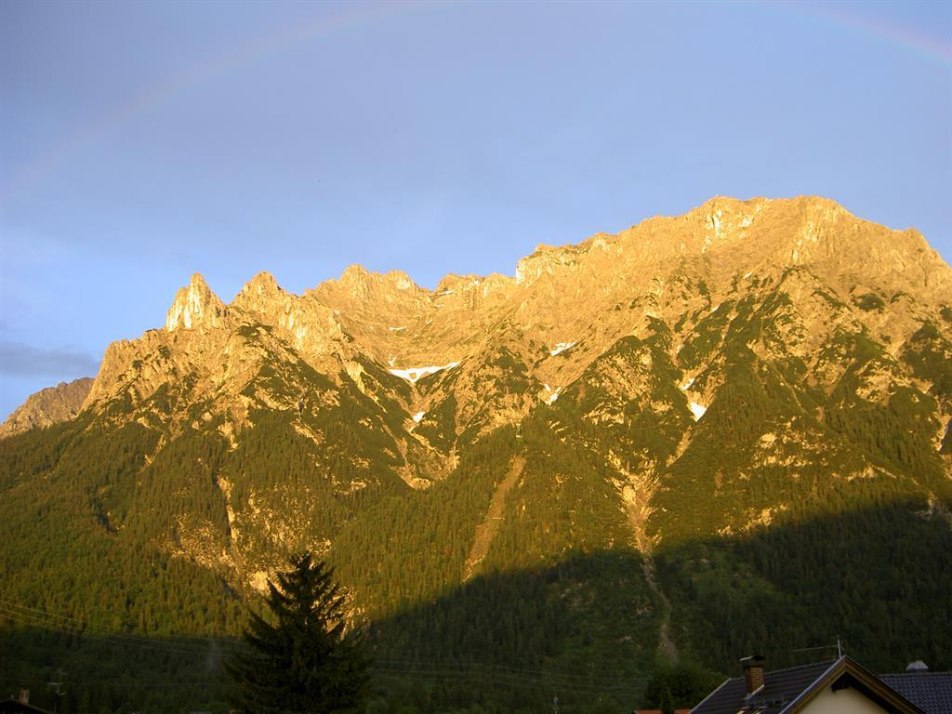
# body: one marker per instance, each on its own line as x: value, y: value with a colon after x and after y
x: 611, y: 541
x: 559, y: 607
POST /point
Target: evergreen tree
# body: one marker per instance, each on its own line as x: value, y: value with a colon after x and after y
x: 303, y: 660
x: 679, y: 685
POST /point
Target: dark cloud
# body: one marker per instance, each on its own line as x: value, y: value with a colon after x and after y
x: 25, y: 360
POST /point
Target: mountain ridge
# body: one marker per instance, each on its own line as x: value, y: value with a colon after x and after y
x: 718, y: 224
x: 355, y: 314
x: 478, y: 354
x: 48, y: 406
x: 633, y: 431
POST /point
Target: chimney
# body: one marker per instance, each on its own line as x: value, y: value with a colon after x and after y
x: 24, y: 697
x: 753, y: 673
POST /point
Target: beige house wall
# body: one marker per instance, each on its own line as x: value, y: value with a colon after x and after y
x: 844, y: 701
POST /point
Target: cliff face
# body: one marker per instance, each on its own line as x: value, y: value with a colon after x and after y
x: 564, y: 308
x: 47, y: 407
x: 746, y: 342
x: 739, y: 415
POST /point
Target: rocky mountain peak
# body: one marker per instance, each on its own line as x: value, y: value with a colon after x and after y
x: 470, y: 287
x: 548, y: 260
x: 193, y: 306
x: 48, y: 406
x: 355, y: 280
x: 683, y: 388
x: 360, y: 283
x: 262, y: 284
x: 454, y: 282
x: 400, y: 280
x: 261, y: 294
x: 564, y: 307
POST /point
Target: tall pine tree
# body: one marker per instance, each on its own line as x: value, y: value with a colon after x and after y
x: 301, y: 658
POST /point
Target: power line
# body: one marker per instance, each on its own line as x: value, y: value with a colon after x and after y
x: 433, y: 670
x: 73, y: 627
x: 522, y: 676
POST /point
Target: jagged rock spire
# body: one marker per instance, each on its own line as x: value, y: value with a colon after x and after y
x: 193, y: 306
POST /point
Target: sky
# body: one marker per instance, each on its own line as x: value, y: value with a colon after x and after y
x: 142, y: 142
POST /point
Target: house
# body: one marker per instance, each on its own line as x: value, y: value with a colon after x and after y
x: 930, y: 691
x: 20, y: 705
x: 842, y: 686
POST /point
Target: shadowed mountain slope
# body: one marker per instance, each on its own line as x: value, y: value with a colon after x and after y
x: 661, y: 413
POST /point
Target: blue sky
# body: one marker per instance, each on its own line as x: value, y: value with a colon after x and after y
x: 141, y: 142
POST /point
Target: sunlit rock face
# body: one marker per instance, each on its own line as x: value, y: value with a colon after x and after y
x: 699, y: 354
x: 195, y: 306
x: 47, y: 407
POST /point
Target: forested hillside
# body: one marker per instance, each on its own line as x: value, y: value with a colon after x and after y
x: 709, y: 436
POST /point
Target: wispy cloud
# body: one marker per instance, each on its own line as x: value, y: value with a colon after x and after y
x: 17, y: 358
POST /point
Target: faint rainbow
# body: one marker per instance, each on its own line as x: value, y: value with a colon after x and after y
x: 282, y: 39
x: 928, y: 47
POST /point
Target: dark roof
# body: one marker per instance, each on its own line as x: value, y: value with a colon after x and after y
x: 786, y: 691
x: 781, y: 687
x: 15, y: 706
x: 930, y: 691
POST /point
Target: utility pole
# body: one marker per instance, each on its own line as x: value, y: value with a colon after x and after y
x: 57, y: 688
x: 839, y: 647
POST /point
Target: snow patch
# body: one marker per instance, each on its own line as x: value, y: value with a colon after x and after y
x: 396, y: 329
x: 418, y: 417
x: 560, y: 347
x: 552, y: 395
x: 413, y: 374
x: 697, y: 409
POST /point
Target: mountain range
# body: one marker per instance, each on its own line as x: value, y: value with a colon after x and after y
x: 706, y: 435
